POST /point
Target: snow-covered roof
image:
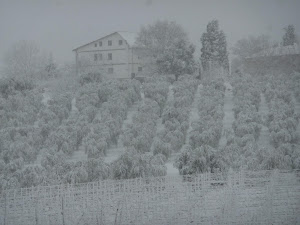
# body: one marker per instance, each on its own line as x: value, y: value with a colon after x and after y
x: 129, y: 37
x: 278, y: 51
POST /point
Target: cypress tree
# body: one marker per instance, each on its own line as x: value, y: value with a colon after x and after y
x: 214, y: 47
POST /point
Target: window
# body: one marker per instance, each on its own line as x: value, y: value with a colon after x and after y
x: 120, y: 42
x: 110, y: 70
x: 100, y: 43
x: 95, y: 57
x: 109, y: 56
x: 95, y: 44
x: 100, y: 56
x: 109, y: 43
x: 140, y: 69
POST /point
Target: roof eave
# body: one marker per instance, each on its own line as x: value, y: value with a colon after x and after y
x: 93, y: 41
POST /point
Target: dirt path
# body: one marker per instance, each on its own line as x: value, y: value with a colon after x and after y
x: 46, y: 97
x: 74, y: 108
x: 264, y: 138
x: 171, y: 170
x: 159, y: 124
x: 194, y: 116
x: 228, y: 113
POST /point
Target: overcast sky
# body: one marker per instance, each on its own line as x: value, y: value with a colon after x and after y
x: 62, y: 25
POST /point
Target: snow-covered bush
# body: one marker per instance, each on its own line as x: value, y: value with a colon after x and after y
x: 282, y: 121
x: 133, y: 164
x: 208, y: 129
x: 156, y: 88
x: 141, y: 132
x: 199, y: 160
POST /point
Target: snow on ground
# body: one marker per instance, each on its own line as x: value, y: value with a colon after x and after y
x: 46, y: 96
x: 228, y: 112
x: 171, y: 170
x: 159, y: 124
x: 78, y: 156
x: 74, y: 108
x: 264, y: 138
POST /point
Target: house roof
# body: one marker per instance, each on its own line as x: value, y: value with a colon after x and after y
x: 129, y: 37
x: 278, y: 51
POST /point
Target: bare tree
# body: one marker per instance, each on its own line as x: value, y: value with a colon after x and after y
x: 167, y: 47
x: 246, y: 47
x: 249, y: 46
x: 22, y: 59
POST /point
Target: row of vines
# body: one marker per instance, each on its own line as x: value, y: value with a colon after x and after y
x: 242, y: 149
x: 29, y: 128
x: 138, y: 161
x: 175, y: 118
x: 202, y: 154
x: 282, y: 122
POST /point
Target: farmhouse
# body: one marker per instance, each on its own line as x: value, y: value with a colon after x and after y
x: 114, y: 55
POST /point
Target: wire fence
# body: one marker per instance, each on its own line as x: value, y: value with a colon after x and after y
x: 262, y: 197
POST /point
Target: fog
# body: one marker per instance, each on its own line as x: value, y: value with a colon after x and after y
x: 62, y: 25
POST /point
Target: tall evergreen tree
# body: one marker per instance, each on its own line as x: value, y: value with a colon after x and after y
x: 214, y: 47
x: 222, y: 51
x: 178, y: 59
x: 289, y: 38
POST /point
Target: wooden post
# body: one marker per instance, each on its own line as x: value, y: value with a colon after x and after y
x: 5, y: 205
x: 76, y: 62
x: 36, y: 207
x: 36, y: 216
x: 62, y: 210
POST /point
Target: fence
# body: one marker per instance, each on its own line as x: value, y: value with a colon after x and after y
x: 264, y: 197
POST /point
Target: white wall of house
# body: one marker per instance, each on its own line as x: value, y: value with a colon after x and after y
x: 95, y: 56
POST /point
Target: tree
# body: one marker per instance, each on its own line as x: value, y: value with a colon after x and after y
x: 177, y: 59
x: 246, y: 47
x: 167, y: 44
x: 51, y: 67
x: 133, y: 164
x: 222, y: 49
x: 214, y: 47
x: 289, y: 38
x: 22, y: 59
